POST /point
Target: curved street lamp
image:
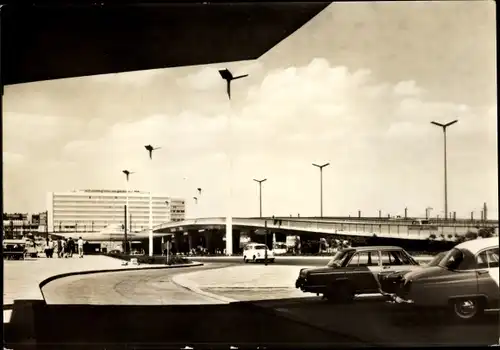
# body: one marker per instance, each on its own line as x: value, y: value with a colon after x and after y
x: 444, y: 127
x: 150, y: 150
x: 228, y: 77
x: 260, y: 194
x: 320, y: 167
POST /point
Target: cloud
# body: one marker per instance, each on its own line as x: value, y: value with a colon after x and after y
x: 10, y: 158
x: 384, y: 153
x: 407, y: 88
x: 138, y: 78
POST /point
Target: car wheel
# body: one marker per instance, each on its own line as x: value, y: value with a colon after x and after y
x: 271, y: 261
x: 466, y: 309
x: 245, y: 260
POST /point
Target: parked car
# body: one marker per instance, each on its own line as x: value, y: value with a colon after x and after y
x: 14, y: 249
x: 280, y: 248
x: 390, y: 281
x: 354, y: 271
x: 256, y: 252
x: 465, y: 281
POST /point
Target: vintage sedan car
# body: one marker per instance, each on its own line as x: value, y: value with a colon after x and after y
x: 256, y: 252
x: 354, y: 271
x: 465, y: 281
x: 390, y: 282
x: 14, y: 249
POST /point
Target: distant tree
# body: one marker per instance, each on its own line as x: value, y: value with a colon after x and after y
x: 432, y: 236
x: 470, y: 235
x: 450, y: 236
x: 442, y: 236
x: 486, y: 232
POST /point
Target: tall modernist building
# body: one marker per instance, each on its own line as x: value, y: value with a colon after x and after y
x: 93, y: 210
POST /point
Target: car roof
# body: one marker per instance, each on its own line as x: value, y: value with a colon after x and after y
x: 368, y: 248
x: 14, y: 241
x: 479, y: 244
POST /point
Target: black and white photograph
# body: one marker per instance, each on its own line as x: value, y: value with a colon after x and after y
x: 249, y: 175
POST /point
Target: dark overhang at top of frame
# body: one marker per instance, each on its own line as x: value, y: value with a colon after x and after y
x: 54, y: 42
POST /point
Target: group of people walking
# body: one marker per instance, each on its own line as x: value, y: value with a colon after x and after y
x: 64, y: 247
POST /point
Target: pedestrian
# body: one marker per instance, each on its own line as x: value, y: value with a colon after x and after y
x: 64, y: 250
x: 59, y: 248
x: 51, y: 248
x: 71, y: 247
x: 46, y: 250
x: 80, y: 247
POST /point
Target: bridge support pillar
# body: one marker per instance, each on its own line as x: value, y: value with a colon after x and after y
x: 229, y: 235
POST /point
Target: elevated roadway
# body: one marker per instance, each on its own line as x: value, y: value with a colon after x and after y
x: 342, y: 227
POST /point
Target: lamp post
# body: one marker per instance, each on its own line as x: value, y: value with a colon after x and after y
x: 444, y: 127
x: 260, y: 194
x: 150, y: 150
x: 197, y: 198
x: 321, y: 185
x: 228, y: 77
x: 127, y: 176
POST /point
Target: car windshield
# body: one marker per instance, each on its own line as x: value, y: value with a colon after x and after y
x: 340, y: 258
x: 437, y: 259
x: 452, y: 259
x: 259, y: 247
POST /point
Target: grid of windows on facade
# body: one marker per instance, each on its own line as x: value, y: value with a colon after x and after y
x: 178, y: 210
x: 93, y: 211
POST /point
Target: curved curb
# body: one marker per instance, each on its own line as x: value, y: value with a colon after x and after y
x: 193, y: 287
x: 76, y: 273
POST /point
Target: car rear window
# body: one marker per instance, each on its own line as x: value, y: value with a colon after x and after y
x: 452, y: 259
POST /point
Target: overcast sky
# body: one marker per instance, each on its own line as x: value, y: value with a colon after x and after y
x: 357, y: 87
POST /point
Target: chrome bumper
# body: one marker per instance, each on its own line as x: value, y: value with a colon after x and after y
x: 398, y: 300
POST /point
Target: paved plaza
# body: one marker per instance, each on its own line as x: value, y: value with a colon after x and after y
x: 245, y: 282
x: 22, y: 277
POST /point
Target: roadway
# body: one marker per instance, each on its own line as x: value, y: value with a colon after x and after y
x: 144, y: 309
x: 141, y: 296
x: 279, y: 260
x: 154, y: 287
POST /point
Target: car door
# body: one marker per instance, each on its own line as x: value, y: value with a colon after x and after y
x: 396, y: 261
x: 362, y: 271
x: 487, y: 275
